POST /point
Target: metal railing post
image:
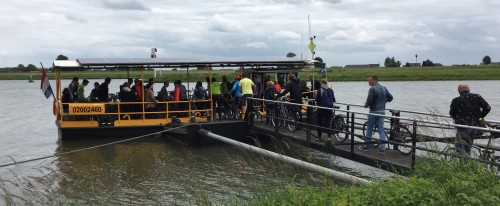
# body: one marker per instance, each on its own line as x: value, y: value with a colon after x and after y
x: 276, y: 120
x: 413, y: 144
x: 352, y: 133
x: 248, y: 114
x: 309, y: 121
x: 347, y: 118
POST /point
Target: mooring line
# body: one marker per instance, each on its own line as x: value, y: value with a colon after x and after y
x: 88, y: 148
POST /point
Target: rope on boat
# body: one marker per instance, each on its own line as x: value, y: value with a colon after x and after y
x: 88, y: 148
x: 340, y: 176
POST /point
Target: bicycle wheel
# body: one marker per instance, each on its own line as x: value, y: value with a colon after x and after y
x: 293, y: 123
x: 375, y: 135
x: 403, y: 136
x: 283, y: 117
x: 230, y: 113
x: 237, y: 114
x: 274, y: 120
x: 341, y: 130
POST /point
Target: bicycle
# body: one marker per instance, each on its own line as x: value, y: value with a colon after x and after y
x: 485, y: 153
x: 286, y: 115
x: 279, y: 114
x: 398, y: 133
x: 293, y: 118
x: 229, y: 109
x: 339, y: 125
x: 234, y: 110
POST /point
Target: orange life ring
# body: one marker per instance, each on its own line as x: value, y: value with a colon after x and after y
x: 56, y: 109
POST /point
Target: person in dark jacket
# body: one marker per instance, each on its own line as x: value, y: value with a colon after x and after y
x: 125, y: 95
x: 315, y: 85
x: 306, y: 91
x: 104, y: 90
x: 324, y: 98
x: 467, y: 109
x: 66, y: 98
x: 95, y: 93
x: 270, y: 93
x: 293, y: 87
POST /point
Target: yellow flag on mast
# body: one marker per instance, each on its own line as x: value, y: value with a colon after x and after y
x: 311, y: 45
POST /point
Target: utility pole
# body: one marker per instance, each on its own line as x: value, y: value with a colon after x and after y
x: 416, y: 56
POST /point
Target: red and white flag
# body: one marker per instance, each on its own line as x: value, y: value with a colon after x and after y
x: 45, y: 84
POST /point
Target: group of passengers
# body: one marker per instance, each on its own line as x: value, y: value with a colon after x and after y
x: 223, y: 93
x: 75, y: 92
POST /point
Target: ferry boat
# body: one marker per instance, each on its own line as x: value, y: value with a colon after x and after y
x: 112, y: 119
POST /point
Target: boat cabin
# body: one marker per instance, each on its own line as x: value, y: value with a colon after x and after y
x: 117, y: 118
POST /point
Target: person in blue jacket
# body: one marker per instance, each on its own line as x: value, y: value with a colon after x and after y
x: 378, y: 96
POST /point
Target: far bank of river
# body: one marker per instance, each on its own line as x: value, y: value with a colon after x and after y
x: 491, y: 72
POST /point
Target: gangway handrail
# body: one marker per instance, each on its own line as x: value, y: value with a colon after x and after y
x: 386, y: 116
x: 402, y: 110
x: 410, y: 111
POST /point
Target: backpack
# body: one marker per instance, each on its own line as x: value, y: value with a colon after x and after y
x: 199, y: 93
x: 326, y: 98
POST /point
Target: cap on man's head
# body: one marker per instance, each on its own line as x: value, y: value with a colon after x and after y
x: 237, y: 77
x: 85, y: 81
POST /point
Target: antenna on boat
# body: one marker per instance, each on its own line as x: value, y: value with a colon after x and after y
x: 311, y: 47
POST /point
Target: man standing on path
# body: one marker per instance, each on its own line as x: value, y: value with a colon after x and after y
x: 378, y: 96
x: 467, y: 109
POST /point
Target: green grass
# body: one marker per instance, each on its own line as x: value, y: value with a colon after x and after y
x: 433, y: 183
x: 416, y: 74
x: 491, y: 72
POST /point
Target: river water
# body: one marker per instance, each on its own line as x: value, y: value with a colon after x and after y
x: 158, y: 170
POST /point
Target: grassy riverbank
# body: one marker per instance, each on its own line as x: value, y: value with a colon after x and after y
x: 491, y: 72
x: 433, y: 183
x: 437, y: 182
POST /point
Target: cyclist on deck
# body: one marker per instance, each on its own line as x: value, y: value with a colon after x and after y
x: 236, y: 92
x: 467, y: 109
x: 295, y: 88
x: 247, y: 87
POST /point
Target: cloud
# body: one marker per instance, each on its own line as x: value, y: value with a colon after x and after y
x: 349, y: 31
x: 286, y: 35
x: 125, y: 5
x: 302, y: 1
x: 256, y: 45
x: 220, y: 24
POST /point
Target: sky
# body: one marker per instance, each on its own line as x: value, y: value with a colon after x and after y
x: 347, y: 31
